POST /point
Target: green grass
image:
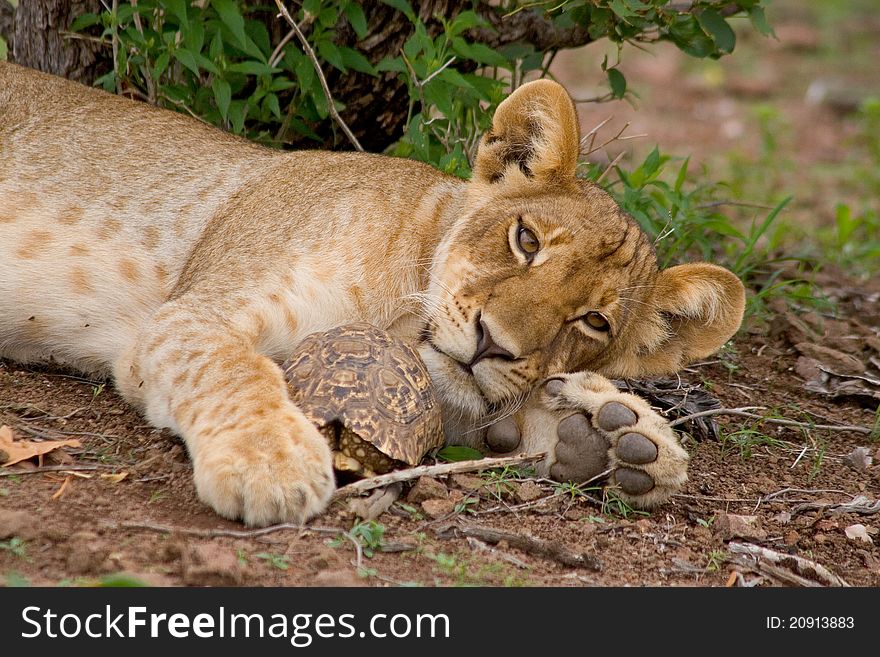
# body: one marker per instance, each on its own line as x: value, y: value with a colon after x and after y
x: 745, y: 440
x: 279, y: 561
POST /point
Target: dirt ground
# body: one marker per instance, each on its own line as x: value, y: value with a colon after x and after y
x: 124, y: 501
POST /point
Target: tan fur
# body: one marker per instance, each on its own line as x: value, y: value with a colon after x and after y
x: 188, y: 262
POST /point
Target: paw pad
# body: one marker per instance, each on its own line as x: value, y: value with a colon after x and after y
x: 504, y: 436
x: 635, y: 448
x: 634, y: 482
x: 614, y: 415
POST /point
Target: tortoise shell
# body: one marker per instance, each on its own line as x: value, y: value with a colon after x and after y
x: 369, y: 393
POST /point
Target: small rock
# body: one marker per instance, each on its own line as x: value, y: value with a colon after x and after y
x: 783, y: 517
x: 426, y: 488
x: 468, y: 482
x: 837, y: 361
x: 791, y: 538
x: 573, y: 514
x: 84, y: 554
x: 337, y: 578
x: 438, y: 508
x: 859, y: 459
x: 528, y: 491
x: 17, y: 523
x: 821, y: 538
x: 858, y: 532
x: 808, y: 368
x: 212, y: 565
x: 731, y: 525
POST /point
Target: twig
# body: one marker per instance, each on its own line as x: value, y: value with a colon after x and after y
x: 547, y: 549
x: 233, y: 533
x: 741, y: 412
x: 610, y: 166
x: 53, y: 468
x: 860, y: 504
x: 409, y: 474
x: 331, y: 105
x: 787, y: 568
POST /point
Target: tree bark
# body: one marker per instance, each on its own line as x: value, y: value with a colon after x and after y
x: 37, y: 41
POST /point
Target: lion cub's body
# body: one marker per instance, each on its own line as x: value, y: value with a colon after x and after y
x: 103, y: 202
x: 187, y: 263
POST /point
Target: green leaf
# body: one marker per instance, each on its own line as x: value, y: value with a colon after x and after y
x: 3, y: 49
x: 617, y: 82
x: 355, y: 15
x: 402, y: 6
x: 236, y: 115
x: 478, y: 52
x: 251, y: 67
x: 716, y: 27
x: 222, y: 96
x: 234, y: 22
x: 465, y: 21
x: 454, y: 453
x: 186, y: 58
x: 759, y: 21
x: 330, y: 53
x: 177, y: 8
x: 620, y: 8
x: 274, y: 107
x: 354, y: 59
x: 231, y: 18
x: 83, y: 21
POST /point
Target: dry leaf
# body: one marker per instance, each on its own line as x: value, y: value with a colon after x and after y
x: 115, y: 478
x: 58, y: 493
x: 858, y: 532
x: 22, y: 450
x: 859, y: 459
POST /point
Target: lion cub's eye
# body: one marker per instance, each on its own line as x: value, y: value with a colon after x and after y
x: 596, y: 321
x: 527, y: 241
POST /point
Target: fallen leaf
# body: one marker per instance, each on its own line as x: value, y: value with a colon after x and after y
x: 115, y: 478
x: 58, y: 493
x: 22, y: 450
x: 858, y: 532
x: 859, y: 459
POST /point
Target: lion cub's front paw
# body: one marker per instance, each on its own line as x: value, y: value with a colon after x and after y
x: 589, y: 428
x: 282, y: 473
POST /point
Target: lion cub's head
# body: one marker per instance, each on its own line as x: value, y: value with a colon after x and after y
x: 544, y: 273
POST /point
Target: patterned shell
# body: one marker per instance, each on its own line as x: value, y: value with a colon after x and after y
x: 370, y: 382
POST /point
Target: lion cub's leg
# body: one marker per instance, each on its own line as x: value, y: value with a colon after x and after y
x: 255, y: 455
x: 587, y: 427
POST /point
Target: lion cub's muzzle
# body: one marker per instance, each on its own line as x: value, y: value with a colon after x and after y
x: 486, y: 346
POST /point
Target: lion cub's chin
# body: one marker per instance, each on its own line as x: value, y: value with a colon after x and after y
x: 460, y: 396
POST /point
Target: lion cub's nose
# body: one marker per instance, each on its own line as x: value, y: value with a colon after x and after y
x: 486, y: 347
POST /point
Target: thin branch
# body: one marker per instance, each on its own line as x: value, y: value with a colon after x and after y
x: 409, y: 474
x: 331, y: 104
x: 741, y: 412
x: 788, y: 568
x: 232, y: 533
x: 547, y: 549
x: 54, y: 468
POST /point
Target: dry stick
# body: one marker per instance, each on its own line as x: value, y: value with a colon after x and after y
x: 788, y: 423
x: 364, y: 485
x: 311, y: 55
x: 53, y: 468
x: 233, y: 533
x: 548, y: 549
x: 783, y: 566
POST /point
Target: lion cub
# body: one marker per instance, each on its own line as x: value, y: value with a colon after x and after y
x: 187, y: 263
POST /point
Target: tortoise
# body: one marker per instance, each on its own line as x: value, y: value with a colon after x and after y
x: 369, y: 394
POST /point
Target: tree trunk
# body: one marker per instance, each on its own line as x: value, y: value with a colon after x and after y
x: 38, y: 41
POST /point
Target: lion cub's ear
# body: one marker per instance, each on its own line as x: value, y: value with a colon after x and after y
x: 535, y: 131
x: 698, y: 307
